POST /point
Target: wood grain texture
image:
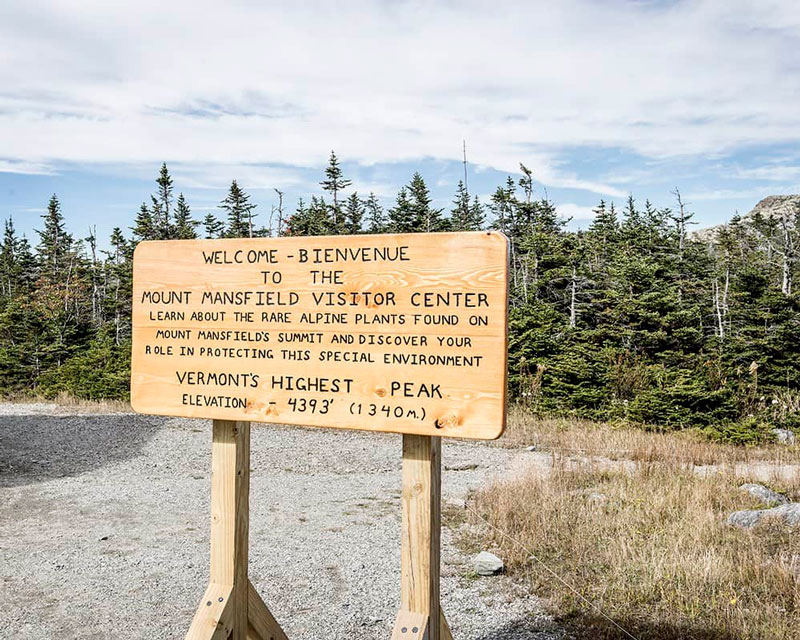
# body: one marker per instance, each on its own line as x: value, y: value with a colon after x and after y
x: 262, y: 623
x: 421, y: 526
x: 407, y: 333
x: 444, y: 627
x: 214, y: 617
x: 231, y: 607
x: 410, y: 625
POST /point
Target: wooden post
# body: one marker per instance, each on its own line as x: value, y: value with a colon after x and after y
x: 421, y: 616
x: 231, y: 607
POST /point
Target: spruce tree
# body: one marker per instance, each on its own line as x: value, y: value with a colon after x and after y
x: 477, y: 217
x: 184, y: 224
x: 401, y: 215
x: 500, y: 204
x: 143, y: 227
x: 311, y: 220
x: 10, y: 267
x: 118, y: 302
x: 239, y: 211
x: 460, y: 213
x: 162, y: 205
x: 425, y: 218
x: 335, y: 183
x: 213, y: 226
x: 354, y: 214
x: 604, y: 225
x: 376, y: 218
x: 55, y: 243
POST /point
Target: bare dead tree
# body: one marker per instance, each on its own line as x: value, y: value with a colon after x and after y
x: 280, y: 210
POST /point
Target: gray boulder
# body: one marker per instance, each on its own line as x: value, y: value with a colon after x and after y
x: 784, y: 436
x: 487, y: 564
x: 766, y: 495
x: 788, y: 513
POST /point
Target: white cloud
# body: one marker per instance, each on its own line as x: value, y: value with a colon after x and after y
x: 772, y: 172
x: 25, y: 166
x: 242, y: 84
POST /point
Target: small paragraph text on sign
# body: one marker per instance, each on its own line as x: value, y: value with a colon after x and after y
x: 403, y: 333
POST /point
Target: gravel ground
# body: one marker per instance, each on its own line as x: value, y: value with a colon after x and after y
x: 104, y: 525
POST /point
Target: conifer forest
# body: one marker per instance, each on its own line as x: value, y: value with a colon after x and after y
x: 637, y: 318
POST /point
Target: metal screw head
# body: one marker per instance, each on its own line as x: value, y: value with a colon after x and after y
x: 221, y: 599
x: 403, y: 629
x: 208, y: 604
x: 414, y: 630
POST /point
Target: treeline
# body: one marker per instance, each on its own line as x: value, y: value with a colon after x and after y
x: 634, y: 318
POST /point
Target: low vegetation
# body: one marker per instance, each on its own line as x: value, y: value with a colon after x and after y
x: 647, y: 544
x: 629, y: 441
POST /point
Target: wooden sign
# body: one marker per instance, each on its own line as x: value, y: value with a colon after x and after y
x: 403, y: 333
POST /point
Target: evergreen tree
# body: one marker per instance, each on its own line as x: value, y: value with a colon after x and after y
x: 424, y: 217
x: 143, y: 227
x: 184, y: 224
x: 467, y: 215
x: 335, y: 183
x: 9, y: 267
x: 376, y: 218
x: 17, y: 266
x: 459, y: 213
x: 477, y: 218
x: 162, y: 205
x: 120, y: 282
x: 604, y: 223
x: 354, y: 214
x: 501, y: 206
x: 401, y: 216
x: 55, y: 244
x: 309, y: 220
x: 213, y: 226
x: 239, y: 211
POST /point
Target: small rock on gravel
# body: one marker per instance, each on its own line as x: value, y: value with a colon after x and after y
x: 784, y: 436
x: 788, y: 513
x: 488, y: 564
x: 765, y: 494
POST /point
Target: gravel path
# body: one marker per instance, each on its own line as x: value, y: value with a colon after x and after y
x: 104, y: 530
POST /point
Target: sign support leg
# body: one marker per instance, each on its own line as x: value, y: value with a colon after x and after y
x: 231, y: 607
x: 420, y: 616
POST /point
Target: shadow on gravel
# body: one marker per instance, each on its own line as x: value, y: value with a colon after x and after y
x: 35, y: 448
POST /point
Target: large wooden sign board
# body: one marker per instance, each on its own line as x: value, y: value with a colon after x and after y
x: 403, y: 333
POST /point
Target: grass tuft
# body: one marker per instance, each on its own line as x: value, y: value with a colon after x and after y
x: 647, y: 543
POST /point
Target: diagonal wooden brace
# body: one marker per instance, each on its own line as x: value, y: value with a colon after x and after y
x: 410, y: 625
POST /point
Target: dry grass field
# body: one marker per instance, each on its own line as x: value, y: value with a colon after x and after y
x: 69, y: 403
x: 647, y: 543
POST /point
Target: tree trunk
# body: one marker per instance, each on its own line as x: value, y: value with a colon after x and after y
x: 573, y: 311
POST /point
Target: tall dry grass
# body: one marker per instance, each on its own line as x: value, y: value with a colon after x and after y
x: 72, y: 403
x: 650, y: 546
x: 571, y: 436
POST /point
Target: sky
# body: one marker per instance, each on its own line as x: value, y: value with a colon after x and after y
x: 599, y: 98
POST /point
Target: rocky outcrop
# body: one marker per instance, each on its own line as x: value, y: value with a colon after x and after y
x: 775, y: 206
x: 788, y: 514
x: 769, y: 207
x: 764, y: 494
